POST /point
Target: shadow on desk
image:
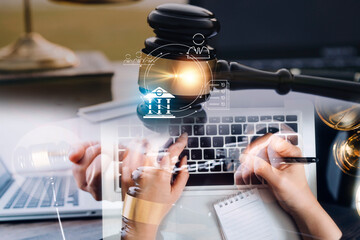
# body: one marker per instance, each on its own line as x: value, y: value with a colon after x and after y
x: 91, y: 228
x: 346, y: 218
x: 77, y: 229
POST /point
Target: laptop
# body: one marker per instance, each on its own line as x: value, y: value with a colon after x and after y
x: 43, y: 196
x: 222, y: 134
x: 318, y: 38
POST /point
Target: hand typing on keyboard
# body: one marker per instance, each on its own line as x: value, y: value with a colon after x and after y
x: 288, y: 184
x: 145, y: 175
x: 87, y: 159
x: 149, y: 177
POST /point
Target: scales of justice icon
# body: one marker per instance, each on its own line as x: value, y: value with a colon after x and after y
x: 159, y: 96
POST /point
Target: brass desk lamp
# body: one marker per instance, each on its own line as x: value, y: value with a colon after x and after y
x: 33, y: 52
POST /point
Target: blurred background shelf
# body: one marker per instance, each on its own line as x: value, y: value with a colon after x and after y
x: 107, y: 28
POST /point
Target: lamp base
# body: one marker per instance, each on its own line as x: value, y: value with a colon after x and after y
x: 32, y: 52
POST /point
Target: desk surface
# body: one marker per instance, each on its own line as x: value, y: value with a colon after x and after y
x: 346, y: 218
x: 50, y: 229
x: 22, y: 114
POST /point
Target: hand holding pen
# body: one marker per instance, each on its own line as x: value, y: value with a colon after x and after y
x: 212, y: 164
x: 268, y: 158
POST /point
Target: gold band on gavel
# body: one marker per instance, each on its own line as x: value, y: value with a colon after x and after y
x: 143, y: 211
x: 179, y: 77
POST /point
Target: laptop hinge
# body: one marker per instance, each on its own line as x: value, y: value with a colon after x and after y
x: 5, y: 187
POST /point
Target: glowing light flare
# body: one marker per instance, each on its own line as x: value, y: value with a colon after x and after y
x: 157, y: 77
x: 188, y: 77
x: 180, y: 80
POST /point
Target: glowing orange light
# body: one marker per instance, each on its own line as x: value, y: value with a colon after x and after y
x: 184, y: 78
x: 190, y: 77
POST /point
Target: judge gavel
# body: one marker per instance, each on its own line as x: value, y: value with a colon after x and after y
x: 180, y: 61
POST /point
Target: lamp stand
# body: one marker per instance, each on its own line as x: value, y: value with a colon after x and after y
x: 33, y: 52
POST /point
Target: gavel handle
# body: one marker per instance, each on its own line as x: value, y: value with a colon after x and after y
x: 283, y: 81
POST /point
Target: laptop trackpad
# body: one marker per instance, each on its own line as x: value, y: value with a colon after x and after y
x: 193, y: 217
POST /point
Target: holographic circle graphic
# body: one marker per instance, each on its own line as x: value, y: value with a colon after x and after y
x: 42, y: 155
x: 200, y: 72
x: 44, y: 149
x: 198, y: 39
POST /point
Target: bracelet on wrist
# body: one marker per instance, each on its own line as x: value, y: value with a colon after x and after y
x: 143, y: 211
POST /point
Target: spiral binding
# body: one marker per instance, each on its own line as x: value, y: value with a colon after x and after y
x: 234, y: 197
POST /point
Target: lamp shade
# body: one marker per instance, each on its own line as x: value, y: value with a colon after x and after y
x: 96, y: 1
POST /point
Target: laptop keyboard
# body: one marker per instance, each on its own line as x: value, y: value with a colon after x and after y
x: 215, y: 143
x: 38, y: 192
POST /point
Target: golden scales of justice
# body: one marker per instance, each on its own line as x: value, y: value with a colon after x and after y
x: 343, y: 116
x: 32, y: 52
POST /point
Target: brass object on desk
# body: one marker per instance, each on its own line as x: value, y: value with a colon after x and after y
x: 343, y: 116
x: 33, y: 52
x: 346, y: 153
x: 339, y: 115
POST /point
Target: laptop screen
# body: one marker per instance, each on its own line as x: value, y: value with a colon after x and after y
x: 5, y: 176
x: 260, y: 29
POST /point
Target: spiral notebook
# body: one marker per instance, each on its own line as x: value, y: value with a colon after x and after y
x: 243, y: 216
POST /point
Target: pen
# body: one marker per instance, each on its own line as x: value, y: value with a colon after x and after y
x: 293, y: 160
x: 213, y: 163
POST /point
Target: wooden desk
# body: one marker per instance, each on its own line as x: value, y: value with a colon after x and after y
x: 123, y: 86
x: 50, y: 229
x: 57, y: 106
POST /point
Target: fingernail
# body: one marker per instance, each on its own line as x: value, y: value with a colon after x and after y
x: 245, y: 171
x: 185, y: 134
x: 71, y: 152
x: 174, y: 159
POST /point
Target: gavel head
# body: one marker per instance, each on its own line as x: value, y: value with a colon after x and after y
x: 178, y: 59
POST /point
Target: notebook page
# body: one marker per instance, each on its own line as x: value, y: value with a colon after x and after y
x: 243, y: 216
